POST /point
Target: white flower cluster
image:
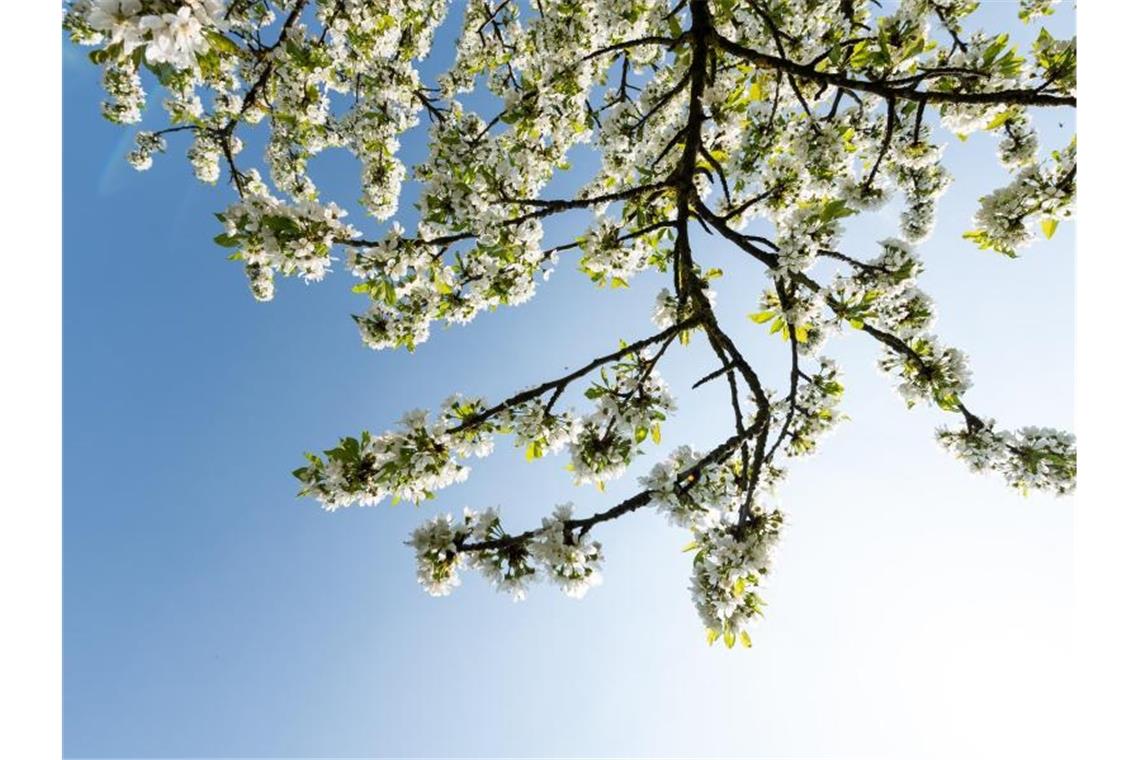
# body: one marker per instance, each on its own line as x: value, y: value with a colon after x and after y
x: 440, y: 548
x: 664, y: 310
x: 205, y: 156
x: 1031, y: 9
x: 1040, y: 193
x: 605, y: 258
x: 272, y: 237
x: 930, y: 372
x: 883, y: 292
x: 542, y: 432
x: 574, y: 563
x: 411, y: 286
x: 124, y: 86
x: 1030, y: 458
x: 668, y: 311
x: 508, y: 568
x: 411, y: 463
x: 437, y: 555
x: 692, y: 497
x: 1019, y: 145
x: 802, y: 232
x: 917, y: 171
x: 728, y: 570
x: 443, y: 548
x: 732, y: 557
x: 816, y: 409
x: 629, y: 407
x: 170, y: 32
x: 1004, y: 70
x: 147, y: 144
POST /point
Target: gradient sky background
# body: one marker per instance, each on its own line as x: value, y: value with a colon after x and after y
x: 915, y: 610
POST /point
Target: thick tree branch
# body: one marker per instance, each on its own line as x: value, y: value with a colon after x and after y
x: 887, y: 90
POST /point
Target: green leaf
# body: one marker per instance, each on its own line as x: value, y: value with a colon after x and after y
x: 1000, y: 119
x: 711, y: 636
x: 655, y: 431
x: 729, y: 639
x: 441, y: 285
x: 835, y: 209
x: 1048, y: 226
x: 761, y: 317
x: 745, y: 639
x: 164, y: 71
x: 835, y: 54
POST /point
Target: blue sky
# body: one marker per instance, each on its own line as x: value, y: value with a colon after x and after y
x: 916, y: 610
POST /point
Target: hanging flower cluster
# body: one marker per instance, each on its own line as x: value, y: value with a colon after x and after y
x: 273, y: 237
x: 728, y: 569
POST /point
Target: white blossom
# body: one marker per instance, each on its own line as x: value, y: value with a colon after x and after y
x: 569, y: 559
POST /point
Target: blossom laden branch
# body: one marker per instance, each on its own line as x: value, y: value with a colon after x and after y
x: 899, y: 90
x: 701, y: 115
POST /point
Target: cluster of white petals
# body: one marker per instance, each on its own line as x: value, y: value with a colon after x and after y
x: 1040, y: 194
x: 568, y: 559
x: 929, y: 371
x: 729, y: 569
x: 168, y: 31
x: 573, y: 562
x: 690, y: 492
x: 410, y: 463
x: 1029, y: 458
x: 437, y: 555
x: 273, y: 237
x: 630, y: 404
